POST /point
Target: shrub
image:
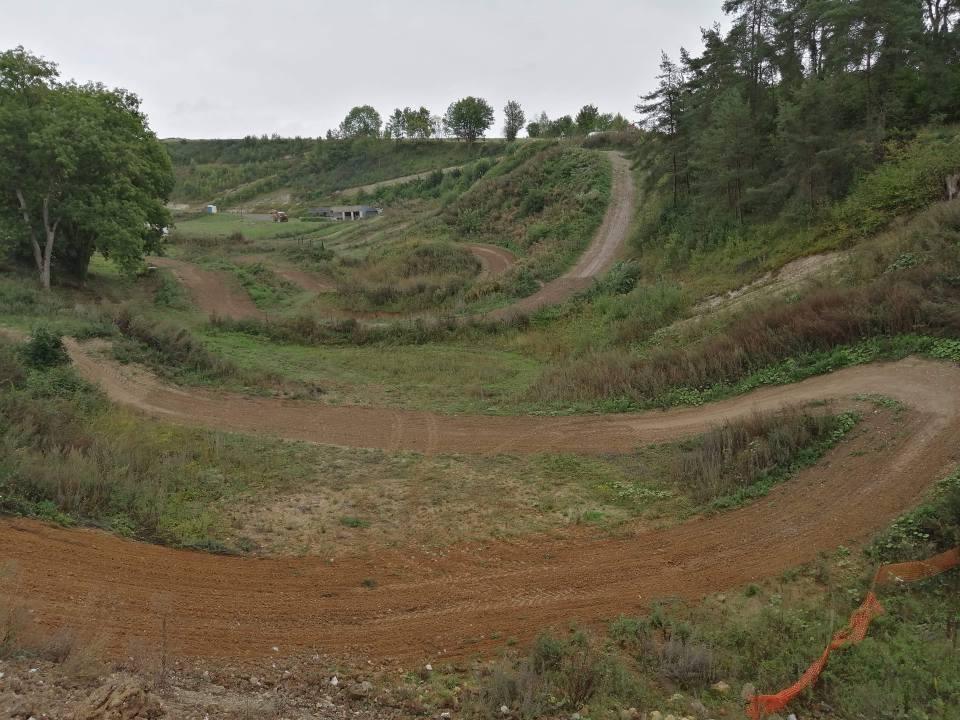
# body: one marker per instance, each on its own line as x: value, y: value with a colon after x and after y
x: 415, y: 276
x: 45, y: 349
x: 896, y: 304
x: 911, y: 178
x: 740, y: 453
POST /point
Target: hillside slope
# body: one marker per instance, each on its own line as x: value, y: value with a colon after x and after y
x: 236, y: 171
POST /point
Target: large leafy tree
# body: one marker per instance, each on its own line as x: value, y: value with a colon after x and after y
x: 588, y: 119
x: 361, y: 122
x: 418, y: 123
x: 514, y: 119
x: 396, y: 126
x: 469, y: 118
x: 80, y: 170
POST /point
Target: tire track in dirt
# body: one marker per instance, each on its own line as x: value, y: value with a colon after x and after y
x: 215, y: 293
x: 461, y: 600
x: 913, y: 381
x: 494, y: 259
x: 466, y: 599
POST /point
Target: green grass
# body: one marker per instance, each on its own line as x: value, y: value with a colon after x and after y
x: 238, y: 171
x: 545, y: 209
x: 416, y: 376
x: 224, y: 225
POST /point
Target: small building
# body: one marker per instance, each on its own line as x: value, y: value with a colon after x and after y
x: 345, y: 212
x: 211, y: 209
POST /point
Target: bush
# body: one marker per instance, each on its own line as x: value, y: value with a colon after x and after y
x: 911, y: 178
x: 917, y: 299
x: 741, y: 453
x: 416, y: 276
x: 45, y: 349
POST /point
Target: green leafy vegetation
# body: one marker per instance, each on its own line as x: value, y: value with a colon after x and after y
x: 234, y: 172
x: 546, y: 210
x: 760, y: 137
x: 81, y: 171
x: 743, y: 459
x: 409, y: 277
x: 788, y: 339
x: 45, y: 349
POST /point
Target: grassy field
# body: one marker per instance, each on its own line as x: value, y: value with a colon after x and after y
x: 417, y: 376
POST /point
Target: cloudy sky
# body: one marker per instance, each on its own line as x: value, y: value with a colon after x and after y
x: 212, y: 68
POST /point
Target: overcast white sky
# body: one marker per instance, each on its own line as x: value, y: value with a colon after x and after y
x: 212, y: 68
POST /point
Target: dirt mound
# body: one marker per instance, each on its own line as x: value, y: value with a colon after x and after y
x: 787, y: 279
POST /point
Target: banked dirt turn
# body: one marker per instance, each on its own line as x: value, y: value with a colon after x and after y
x: 469, y: 598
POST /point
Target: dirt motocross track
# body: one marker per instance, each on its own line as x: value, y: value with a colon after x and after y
x: 215, y: 293
x: 472, y: 598
x: 467, y: 599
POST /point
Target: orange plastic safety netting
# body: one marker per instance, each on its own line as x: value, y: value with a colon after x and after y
x: 763, y: 705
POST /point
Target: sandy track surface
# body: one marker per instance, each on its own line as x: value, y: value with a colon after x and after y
x: 215, y: 293
x: 930, y: 386
x: 468, y: 598
x: 603, y: 252
x: 494, y: 259
x: 916, y: 382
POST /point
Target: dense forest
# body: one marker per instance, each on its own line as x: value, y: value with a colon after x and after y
x: 784, y: 113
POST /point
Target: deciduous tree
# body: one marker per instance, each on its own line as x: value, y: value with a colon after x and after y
x: 361, y: 122
x: 469, y: 118
x: 515, y: 119
x: 80, y: 170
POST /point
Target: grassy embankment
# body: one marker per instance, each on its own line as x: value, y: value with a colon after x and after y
x: 291, y: 172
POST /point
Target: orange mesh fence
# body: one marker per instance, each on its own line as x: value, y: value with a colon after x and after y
x: 763, y: 705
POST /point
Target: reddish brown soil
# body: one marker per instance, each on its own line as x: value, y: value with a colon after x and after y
x: 215, y: 293
x: 918, y: 383
x: 470, y: 598
x: 603, y: 252
x: 495, y: 260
